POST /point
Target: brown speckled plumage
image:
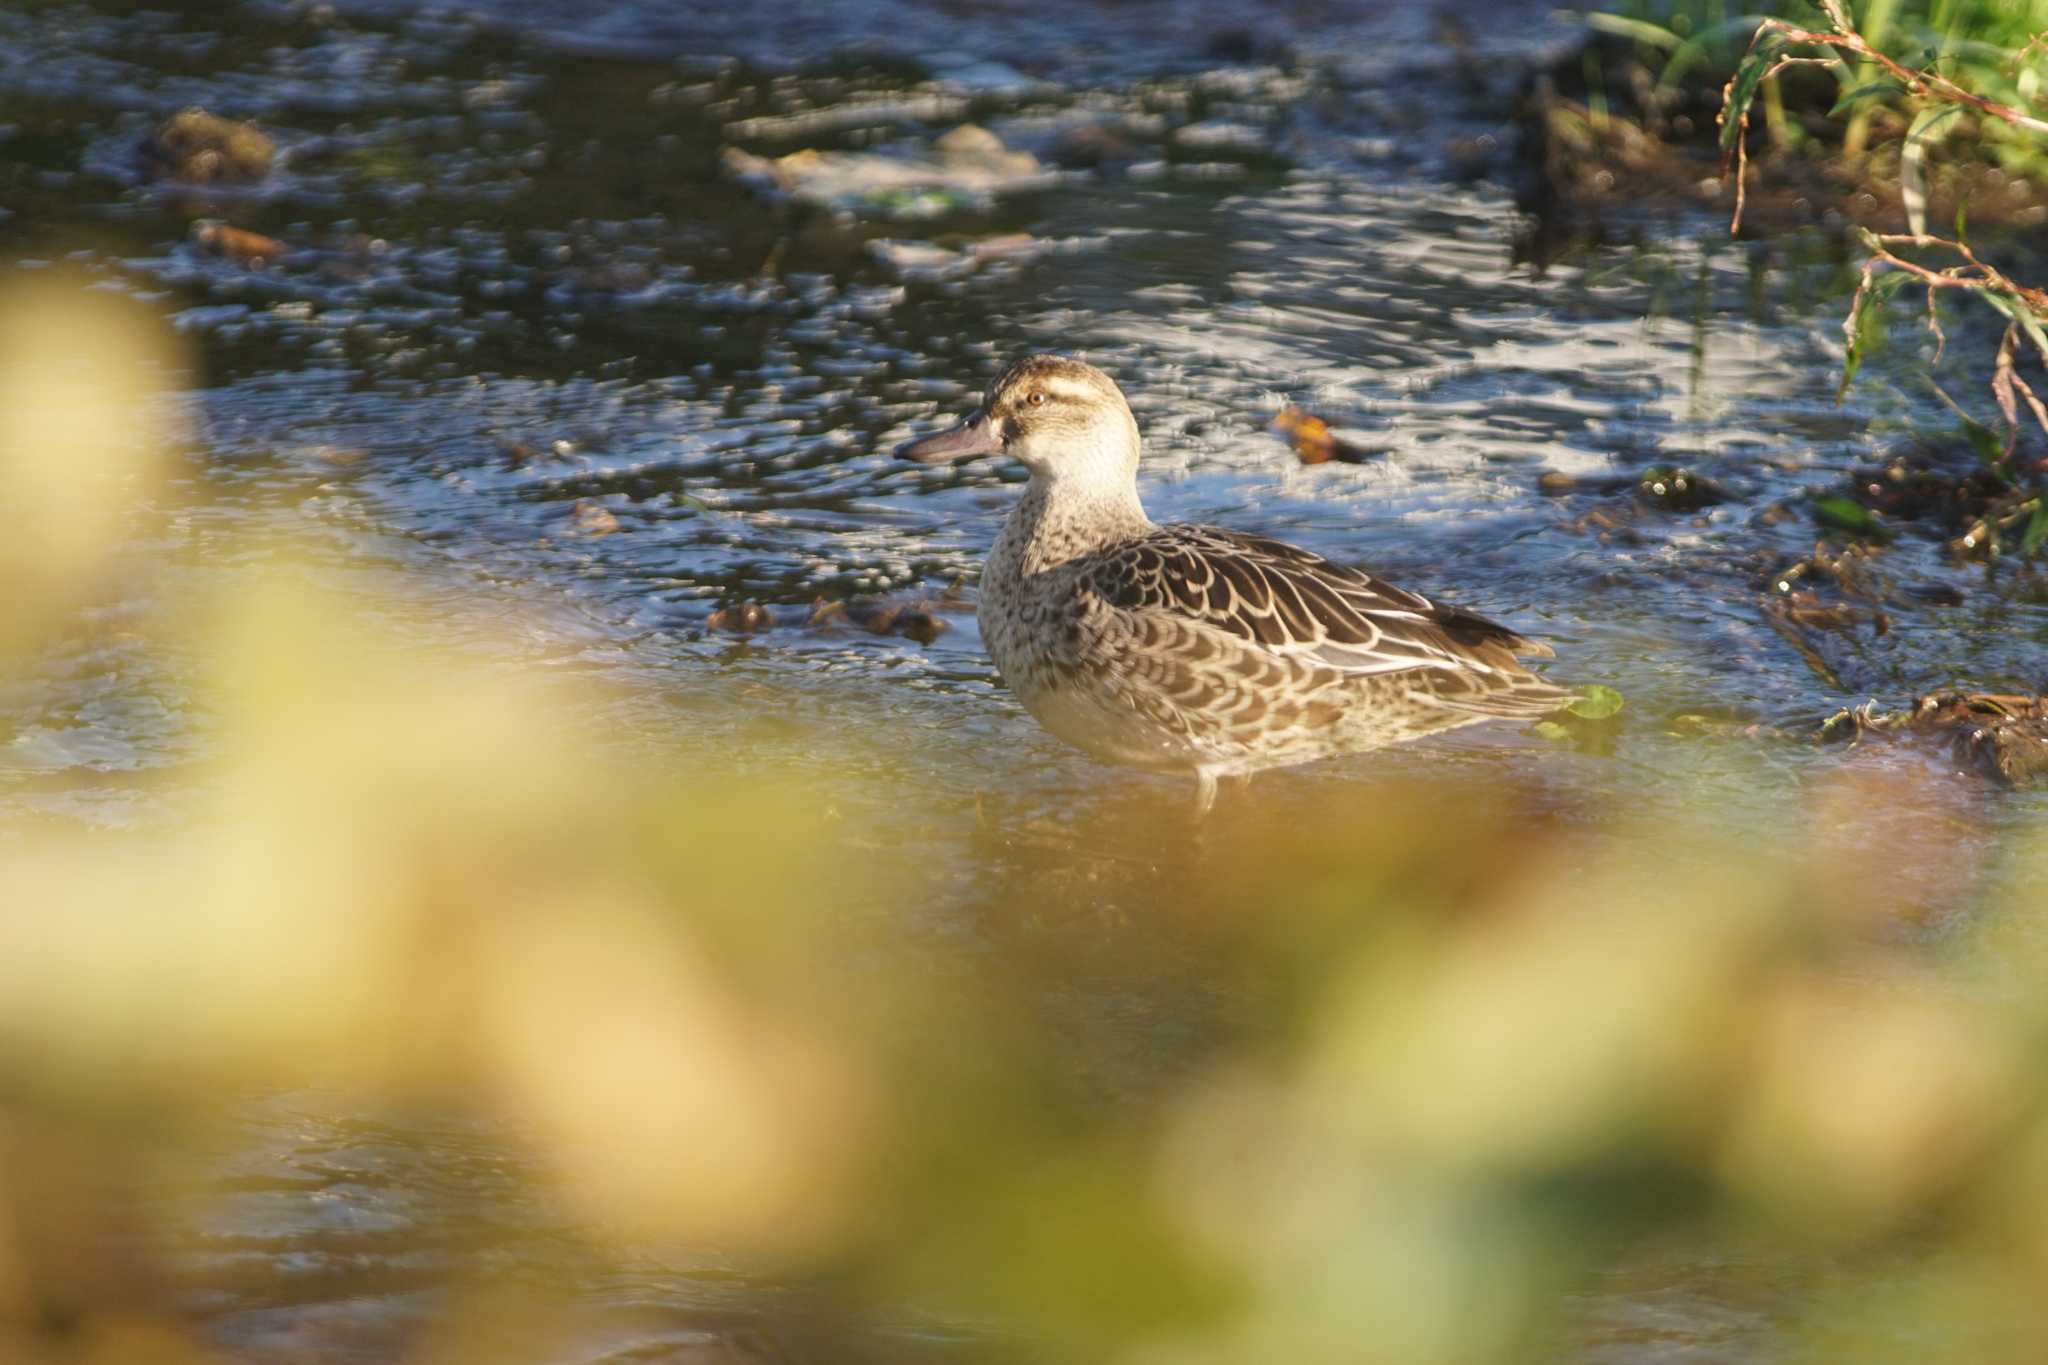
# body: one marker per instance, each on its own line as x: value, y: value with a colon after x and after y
x: 1194, y: 647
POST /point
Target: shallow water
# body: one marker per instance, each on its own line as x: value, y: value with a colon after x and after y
x: 521, y: 294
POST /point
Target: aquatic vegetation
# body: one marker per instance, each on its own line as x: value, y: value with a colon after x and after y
x: 1851, y: 128
x: 2020, y: 519
x: 1983, y: 48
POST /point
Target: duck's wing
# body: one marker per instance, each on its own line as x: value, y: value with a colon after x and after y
x: 1293, y: 602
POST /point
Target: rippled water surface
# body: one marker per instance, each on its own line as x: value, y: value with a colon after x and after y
x: 534, y: 346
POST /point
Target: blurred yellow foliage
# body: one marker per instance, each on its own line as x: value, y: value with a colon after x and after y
x: 1436, y: 1063
x: 85, y: 378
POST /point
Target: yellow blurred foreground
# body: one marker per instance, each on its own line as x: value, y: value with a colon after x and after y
x: 1414, y: 1077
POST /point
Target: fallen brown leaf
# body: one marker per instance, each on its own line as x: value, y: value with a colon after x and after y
x: 1313, y: 441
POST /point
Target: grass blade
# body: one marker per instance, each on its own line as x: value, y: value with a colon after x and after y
x: 1928, y: 127
x: 1644, y: 32
x: 1762, y: 56
x: 1693, y: 50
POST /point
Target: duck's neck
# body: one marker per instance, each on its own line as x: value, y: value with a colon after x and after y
x: 1061, y: 519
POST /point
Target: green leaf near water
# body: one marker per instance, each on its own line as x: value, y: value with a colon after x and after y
x: 1929, y: 126
x: 1986, y: 442
x: 1762, y: 56
x: 1865, y: 326
x: 1699, y: 46
x: 1846, y: 514
x: 2036, y: 533
x: 1594, y: 702
x: 1551, y: 730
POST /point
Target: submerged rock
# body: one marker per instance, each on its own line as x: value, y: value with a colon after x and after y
x: 742, y: 618
x: 919, y: 621
x: 1679, y: 490
x: 591, y: 518
x: 924, y: 261
x: 205, y: 149
x: 967, y: 168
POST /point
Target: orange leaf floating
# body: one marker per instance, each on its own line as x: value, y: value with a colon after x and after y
x: 1312, y: 439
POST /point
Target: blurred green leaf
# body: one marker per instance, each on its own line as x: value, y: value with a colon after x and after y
x: 1550, y: 730
x: 1929, y: 126
x: 1700, y: 46
x: 1595, y: 702
x: 2036, y: 533
x: 1742, y: 90
x: 1865, y: 325
x: 1986, y: 442
x: 1641, y: 30
x: 1846, y: 514
x: 1886, y: 86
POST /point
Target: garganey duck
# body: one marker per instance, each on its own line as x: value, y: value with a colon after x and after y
x: 1194, y: 648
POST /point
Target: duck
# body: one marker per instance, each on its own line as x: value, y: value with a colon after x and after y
x: 1194, y: 648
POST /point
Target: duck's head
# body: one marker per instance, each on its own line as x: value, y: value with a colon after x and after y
x: 1066, y: 420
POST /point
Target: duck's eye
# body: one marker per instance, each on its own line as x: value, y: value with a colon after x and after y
x: 1037, y: 398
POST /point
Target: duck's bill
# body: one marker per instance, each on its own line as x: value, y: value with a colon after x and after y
x: 975, y: 436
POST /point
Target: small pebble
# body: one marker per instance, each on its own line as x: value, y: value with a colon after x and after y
x: 592, y: 518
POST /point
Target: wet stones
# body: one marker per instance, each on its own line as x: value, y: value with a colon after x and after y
x: 1679, y: 490
x: 919, y: 621
x: 968, y: 167
x: 202, y: 148
x: 1661, y: 488
x: 741, y: 618
x: 589, y: 517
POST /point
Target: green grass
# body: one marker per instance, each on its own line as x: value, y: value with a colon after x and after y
x: 1984, y: 46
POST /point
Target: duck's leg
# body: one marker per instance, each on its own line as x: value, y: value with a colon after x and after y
x: 1205, y: 791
